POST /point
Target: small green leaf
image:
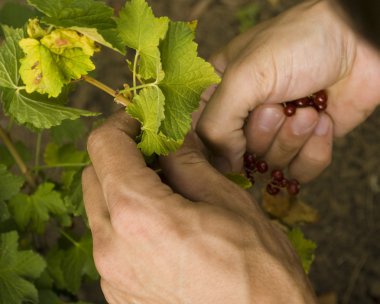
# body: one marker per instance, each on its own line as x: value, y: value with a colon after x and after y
x: 17, y: 271
x: 186, y: 77
x: 304, y: 248
x: 93, y: 19
x: 37, y: 110
x: 142, y: 31
x: 34, y: 210
x: 10, y: 184
x: 240, y: 180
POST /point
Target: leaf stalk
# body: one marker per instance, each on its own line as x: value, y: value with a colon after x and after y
x: 16, y: 156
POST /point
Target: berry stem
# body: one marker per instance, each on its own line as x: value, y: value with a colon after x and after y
x: 117, y: 97
x: 30, y: 179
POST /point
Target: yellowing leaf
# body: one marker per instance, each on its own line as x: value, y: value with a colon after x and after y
x: 55, y: 60
x: 240, y: 180
x: 93, y: 19
x: 58, y: 41
x: 38, y: 69
x: 289, y: 210
x: 142, y: 31
x: 35, y: 30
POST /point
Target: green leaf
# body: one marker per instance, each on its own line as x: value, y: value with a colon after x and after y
x: 240, y: 180
x: 304, y: 247
x: 55, y: 60
x: 142, y: 31
x: 186, y: 77
x: 17, y: 270
x: 66, y: 155
x: 4, y: 212
x: 10, y: 184
x: 34, y: 210
x: 93, y: 19
x: 148, y: 108
x: 10, y: 53
x: 37, y: 110
x: 47, y: 296
x: 78, y: 262
x: 7, y: 159
x: 16, y: 14
x: 69, y: 131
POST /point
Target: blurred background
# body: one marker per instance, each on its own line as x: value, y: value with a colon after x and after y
x: 347, y: 195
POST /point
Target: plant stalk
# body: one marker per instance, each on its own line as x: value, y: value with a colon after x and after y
x: 16, y: 156
x: 120, y: 99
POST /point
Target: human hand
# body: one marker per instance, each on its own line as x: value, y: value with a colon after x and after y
x: 302, y: 51
x: 207, y: 242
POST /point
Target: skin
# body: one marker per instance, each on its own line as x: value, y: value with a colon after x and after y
x: 198, y: 238
x: 304, y: 50
x: 181, y: 242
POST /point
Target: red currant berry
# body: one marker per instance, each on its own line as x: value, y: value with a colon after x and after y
x: 284, y: 183
x: 290, y: 109
x: 293, y: 187
x: 277, y: 175
x: 262, y: 166
x: 302, y: 102
x: 272, y: 190
x: 320, y: 97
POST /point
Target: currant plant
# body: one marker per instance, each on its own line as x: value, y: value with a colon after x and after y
x: 45, y: 245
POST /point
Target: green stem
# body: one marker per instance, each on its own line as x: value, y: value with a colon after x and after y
x: 38, y: 150
x: 135, y: 72
x: 67, y: 165
x: 142, y: 86
x: 10, y: 125
x: 117, y: 96
x: 75, y: 243
x: 16, y: 156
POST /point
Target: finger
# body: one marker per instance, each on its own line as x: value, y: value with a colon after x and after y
x: 316, y: 154
x: 262, y: 126
x: 190, y: 174
x: 120, y: 167
x: 266, y: 72
x: 294, y: 133
x: 95, y: 204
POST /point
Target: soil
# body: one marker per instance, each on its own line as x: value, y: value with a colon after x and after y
x: 347, y: 264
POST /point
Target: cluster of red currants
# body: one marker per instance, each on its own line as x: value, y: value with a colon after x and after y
x: 317, y: 100
x: 277, y: 179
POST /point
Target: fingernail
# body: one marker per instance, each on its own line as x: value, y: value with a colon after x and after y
x: 269, y: 119
x: 302, y: 124
x: 323, y: 126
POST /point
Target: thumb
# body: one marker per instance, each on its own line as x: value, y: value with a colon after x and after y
x: 190, y: 174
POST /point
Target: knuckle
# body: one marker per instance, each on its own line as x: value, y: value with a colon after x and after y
x: 319, y: 160
x: 209, y: 131
x: 96, y: 139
